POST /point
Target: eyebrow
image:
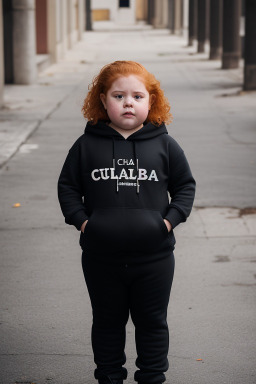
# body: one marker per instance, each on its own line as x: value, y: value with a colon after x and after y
x: 132, y: 92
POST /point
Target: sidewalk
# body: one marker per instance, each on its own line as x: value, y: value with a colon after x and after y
x: 26, y: 107
x: 45, y: 310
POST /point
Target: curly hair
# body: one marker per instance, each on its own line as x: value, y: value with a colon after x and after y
x: 93, y: 109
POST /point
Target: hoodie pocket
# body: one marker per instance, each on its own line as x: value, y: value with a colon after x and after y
x: 124, y: 230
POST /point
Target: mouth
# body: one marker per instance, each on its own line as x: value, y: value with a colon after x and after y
x: 128, y: 114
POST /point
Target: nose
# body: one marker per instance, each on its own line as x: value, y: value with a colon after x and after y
x: 128, y: 102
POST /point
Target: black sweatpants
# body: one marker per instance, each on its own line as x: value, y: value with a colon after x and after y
x: 143, y: 290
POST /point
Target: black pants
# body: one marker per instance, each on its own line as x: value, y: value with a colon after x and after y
x: 143, y: 290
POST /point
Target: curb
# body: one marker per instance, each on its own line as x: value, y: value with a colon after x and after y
x: 12, y: 135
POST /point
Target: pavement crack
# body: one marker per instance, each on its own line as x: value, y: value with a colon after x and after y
x: 203, y: 224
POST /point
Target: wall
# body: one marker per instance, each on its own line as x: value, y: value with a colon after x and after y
x: 116, y: 14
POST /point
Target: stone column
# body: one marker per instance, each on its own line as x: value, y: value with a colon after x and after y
x: 160, y: 10
x: 182, y: 6
x: 192, y: 21
x: 81, y: 18
x: 185, y: 18
x: 64, y: 26
x: 165, y: 14
x: 1, y: 58
x: 70, y: 15
x: 88, y: 13
x: 250, y: 46
x: 151, y: 11
x: 24, y: 42
x: 178, y: 16
x: 51, y: 30
x: 202, y: 24
x: 215, y: 29
x: 175, y: 16
x: 171, y: 16
x: 231, y: 39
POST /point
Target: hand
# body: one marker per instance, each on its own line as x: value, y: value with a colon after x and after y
x: 84, y: 225
x: 168, y: 225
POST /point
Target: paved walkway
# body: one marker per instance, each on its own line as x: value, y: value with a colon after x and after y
x: 45, y: 311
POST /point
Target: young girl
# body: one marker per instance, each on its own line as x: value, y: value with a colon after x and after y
x: 114, y: 189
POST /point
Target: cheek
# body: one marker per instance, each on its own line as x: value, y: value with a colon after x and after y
x: 113, y: 109
x: 144, y: 110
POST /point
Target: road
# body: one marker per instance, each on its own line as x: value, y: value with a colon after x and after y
x: 45, y: 310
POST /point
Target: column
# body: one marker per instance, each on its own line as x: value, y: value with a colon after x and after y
x: 51, y: 30
x: 178, y: 16
x: 158, y: 14
x: 151, y: 11
x: 185, y: 18
x: 192, y: 21
x: 202, y: 24
x: 215, y: 29
x: 1, y: 58
x: 250, y: 46
x: 81, y: 18
x: 231, y: 39
x: 88, y: 13
x: 24, y: 42
x: 71, y: 26
x: 182, y: 6
x: 171, y: 16
x: 165, y: 17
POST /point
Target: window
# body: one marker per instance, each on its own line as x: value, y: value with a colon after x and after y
x: 124, y: 3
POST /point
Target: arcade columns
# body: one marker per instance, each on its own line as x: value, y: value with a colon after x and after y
x: 250, y: 46
x: 231, y: 37
x: 202, y: 24
x: 192, y: 23
x: 24, y: 42
x: 215, y: 29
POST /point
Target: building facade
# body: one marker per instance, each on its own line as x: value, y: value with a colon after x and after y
x: 37, y: 32
x: 118, y: 11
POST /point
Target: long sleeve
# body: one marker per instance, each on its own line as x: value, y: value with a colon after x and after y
x: 181, y: 187
x: 70, y: 192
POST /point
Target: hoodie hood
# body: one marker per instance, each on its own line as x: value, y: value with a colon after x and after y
x: 148, y: 131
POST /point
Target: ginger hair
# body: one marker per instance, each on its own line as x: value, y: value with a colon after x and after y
x: 93, y: 109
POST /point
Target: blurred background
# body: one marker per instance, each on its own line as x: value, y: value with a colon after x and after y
x: 37, y: 33
x: 204, y: 54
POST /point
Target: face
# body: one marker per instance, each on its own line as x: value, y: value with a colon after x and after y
x: 127, y: 103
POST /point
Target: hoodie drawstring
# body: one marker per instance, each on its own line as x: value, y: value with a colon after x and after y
x: 137, y: 167
x: 114, y: 162
x: 136, y: 163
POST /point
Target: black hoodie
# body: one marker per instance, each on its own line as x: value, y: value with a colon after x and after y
x: 120, y: 185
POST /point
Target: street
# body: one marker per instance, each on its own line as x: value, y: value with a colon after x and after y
x: 45, y: 308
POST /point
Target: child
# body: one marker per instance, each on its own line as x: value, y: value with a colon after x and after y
x: 113, y: 188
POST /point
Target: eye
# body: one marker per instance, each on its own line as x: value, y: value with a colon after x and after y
x: 119, y: 97
x: 138, y: 97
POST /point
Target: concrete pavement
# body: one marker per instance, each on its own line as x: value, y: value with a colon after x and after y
x: 45, y: 310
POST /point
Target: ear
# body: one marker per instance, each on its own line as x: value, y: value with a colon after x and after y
x: 103, y: 100
x: 151, y: 100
